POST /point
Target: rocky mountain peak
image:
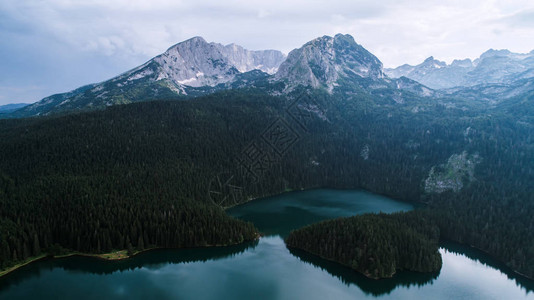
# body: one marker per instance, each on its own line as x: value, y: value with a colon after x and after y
x: 493, y: 66
x: 322, y: 61
x: 434, y: 63
x: 192, y: 66
x: 462, y: 63
x: 194, y: 41
x: 245, y: 60
x: 196, y: 63
x: 493, y: 52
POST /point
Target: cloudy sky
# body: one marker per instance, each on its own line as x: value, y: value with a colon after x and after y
x: 52, y: 46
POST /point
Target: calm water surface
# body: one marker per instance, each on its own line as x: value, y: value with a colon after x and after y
x: 266, y: 269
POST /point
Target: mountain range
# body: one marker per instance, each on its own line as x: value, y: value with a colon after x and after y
x: 492, y: 67
x: 189, y: 68
x: 322, y: 61
x: 328, y: 115
x: 196, y: 67
x: 11, y: 107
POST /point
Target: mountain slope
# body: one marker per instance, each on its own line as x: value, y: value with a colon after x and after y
x: 321, y: 62
x: 11, y: 107
x: 492, y: 93
x: 492, y: 67
x: 337, y: 64
x: 196, y: 67
x: 8, y: 109
x: 342, y: 67
x: 106, y: 179
x: 123, y: 172
x: 197, y: 63
x: 187, y: 69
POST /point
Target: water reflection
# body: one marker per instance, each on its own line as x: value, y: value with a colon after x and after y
x: 367, y: 285
x: 460, y: 261
x: 280, y: 214
x: 485, y: 259
x: 266, y: 269
x: 152, y: 260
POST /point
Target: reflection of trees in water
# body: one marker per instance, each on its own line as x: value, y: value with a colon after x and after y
x: 153, y: 259
x: 159, y: 258
x: 480, y: 256
x: 367, y: 285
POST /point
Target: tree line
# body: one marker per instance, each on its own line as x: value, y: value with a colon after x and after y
x: 141, y: 173
x: 377, y: 245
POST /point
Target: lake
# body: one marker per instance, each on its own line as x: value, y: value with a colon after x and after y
x: 266, y: 269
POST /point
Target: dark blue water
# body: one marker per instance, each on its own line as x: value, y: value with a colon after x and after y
x: 266, y: 269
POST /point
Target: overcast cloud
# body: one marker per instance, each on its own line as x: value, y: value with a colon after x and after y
x: 57, y: 45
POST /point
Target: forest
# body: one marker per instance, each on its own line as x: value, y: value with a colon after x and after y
x: 377, y: 245
x: 151, y: 174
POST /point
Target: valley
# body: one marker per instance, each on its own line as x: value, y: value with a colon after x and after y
x: 155, y: 158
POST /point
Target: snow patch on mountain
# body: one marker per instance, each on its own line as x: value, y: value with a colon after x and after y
x: 197, y: 63
x: 140, y: 75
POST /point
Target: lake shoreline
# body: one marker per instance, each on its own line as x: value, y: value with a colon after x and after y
x: 489, y: 255
x: 350, y: 268
x: 266, y: 266
x: 417, y: 204
x: 289, y: 191
x: 23, y: 264
x: 110, y: 256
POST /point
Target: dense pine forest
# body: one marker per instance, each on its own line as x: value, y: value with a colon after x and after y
x: 376, y: 245
x: 149, y: 174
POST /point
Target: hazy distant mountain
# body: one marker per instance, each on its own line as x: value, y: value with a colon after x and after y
x: 11, y: 107
x: 493, y: 66
x: 493, y: 93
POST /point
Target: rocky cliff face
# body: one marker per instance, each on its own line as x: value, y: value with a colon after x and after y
x: 245, y: 60
x: 322, y: 61
x: 197, y: 63
x: 338, y: 64
x: 192, y: 67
